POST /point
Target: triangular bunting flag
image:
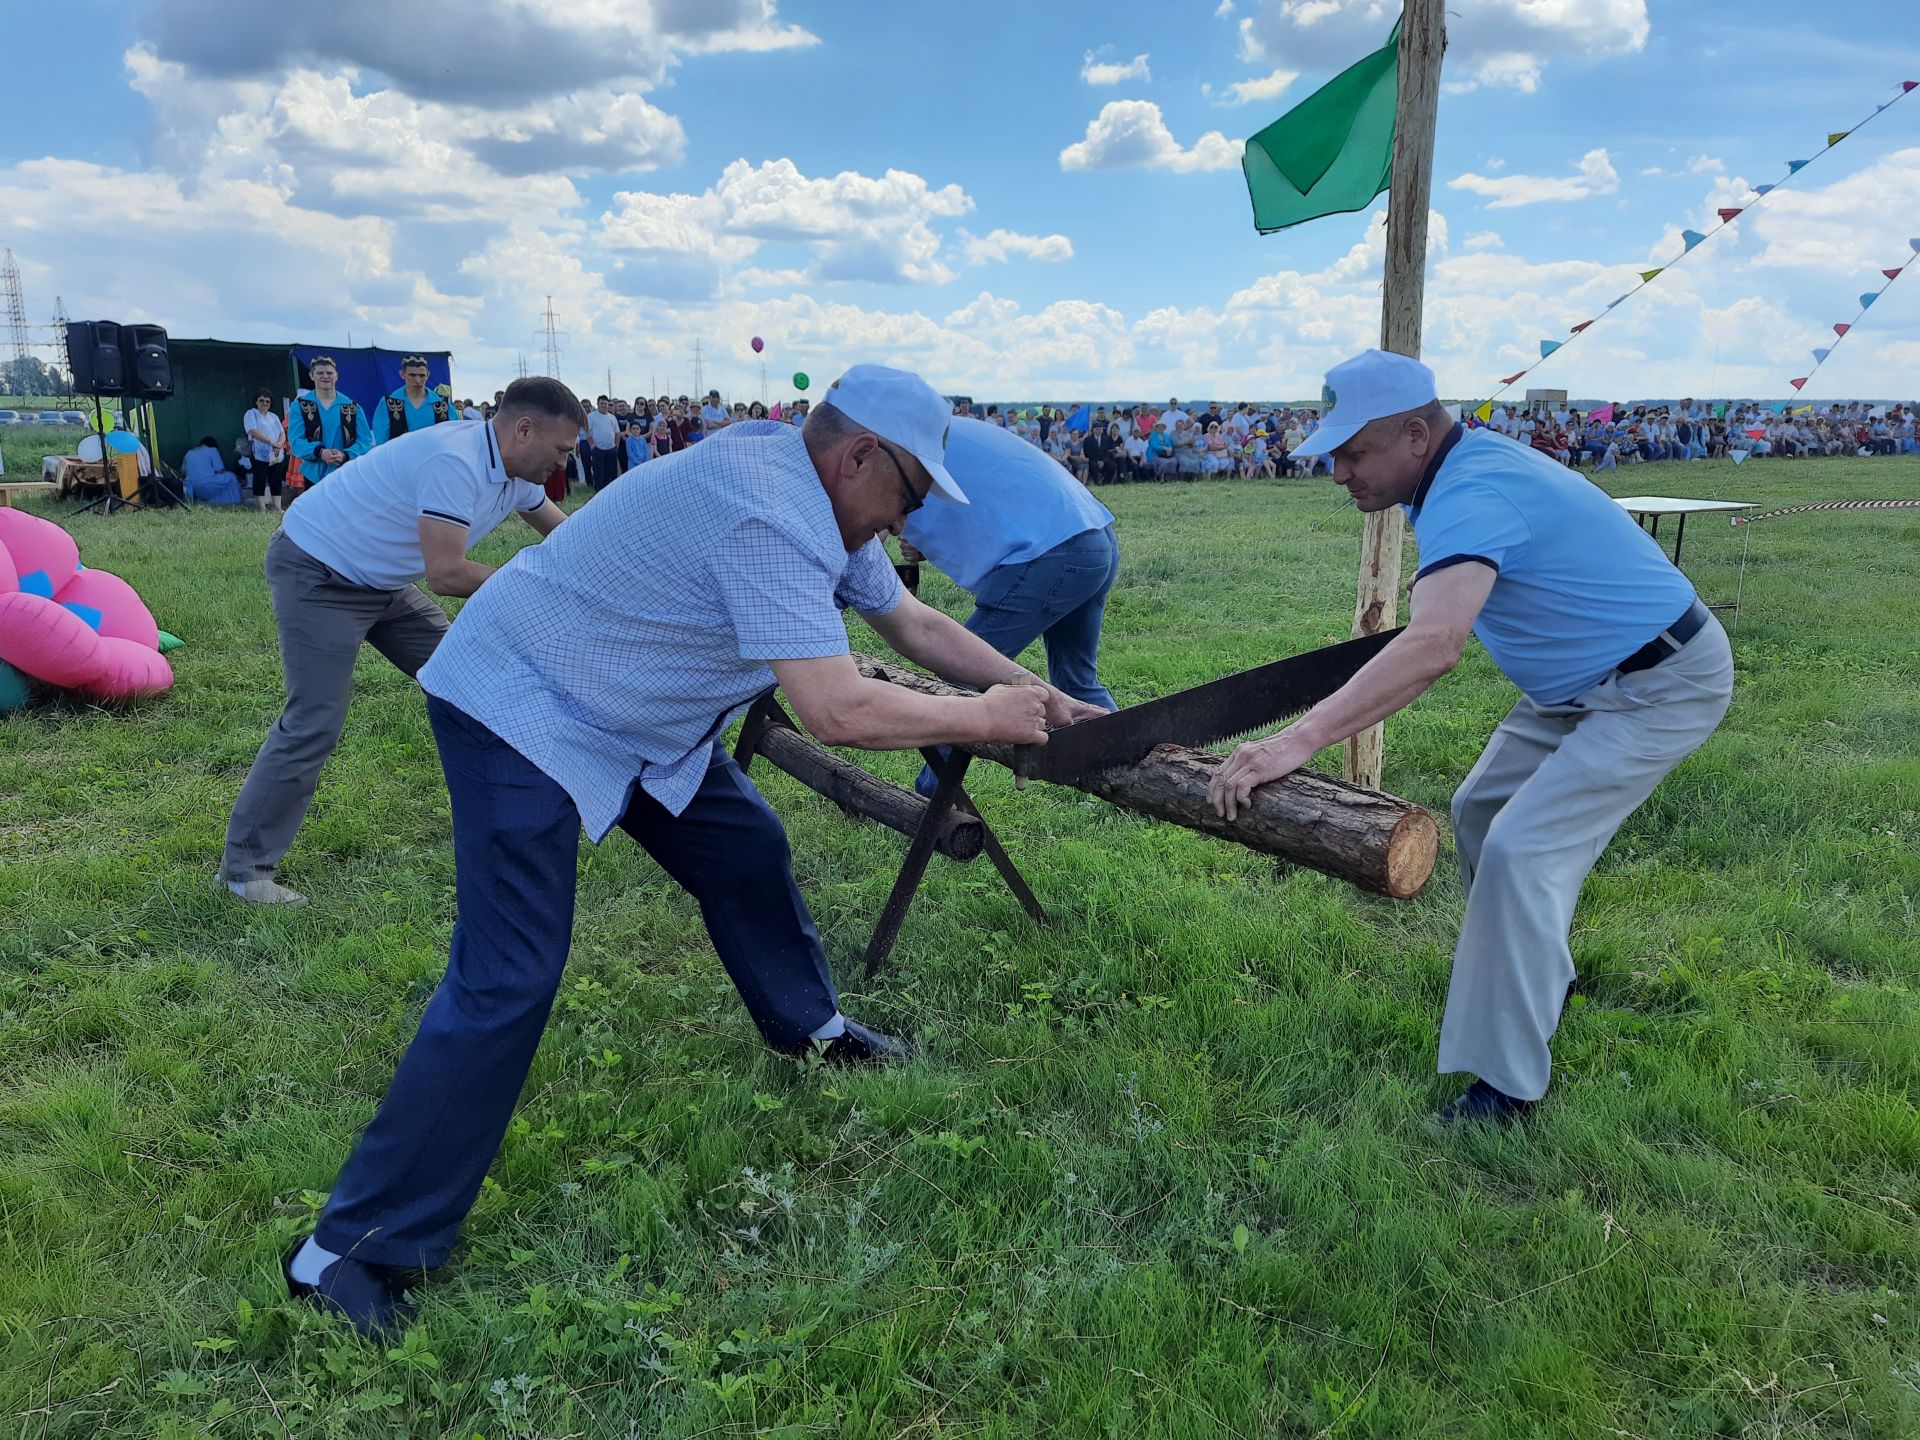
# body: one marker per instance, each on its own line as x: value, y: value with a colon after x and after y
x: 1891, y: 274
x: 1837, y: 136
x: 1513, y: 377
x: 1906, y: 85
x: 1737, y: 456
x: 1794, y: 167
x: 1614, y: 302
x: 1798, y: 383
x: 1761, y: 189
x: 1647, y: 275
x: 1915, y: 246
x: 1727, y: 213
x: 1866, y: 300
x: 1547, y: 347
x: 1484, y: 414
x: 1820, y: 356
x: 1840, y: 329
x: 1581, y: 326
x: 1692, y: 237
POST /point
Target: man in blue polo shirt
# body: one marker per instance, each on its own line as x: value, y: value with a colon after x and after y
x: 589, y: 684
x: 1035, y: 549
x: 327, y: 428
x: 342, y: 570
x: 412, y: 407
x: 1623, y: 674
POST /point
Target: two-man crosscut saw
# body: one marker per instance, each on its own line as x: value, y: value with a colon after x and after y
x: 1218, y: 710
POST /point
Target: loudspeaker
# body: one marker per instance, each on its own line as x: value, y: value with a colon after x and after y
x: 93, y: 347
x: 148, y: 368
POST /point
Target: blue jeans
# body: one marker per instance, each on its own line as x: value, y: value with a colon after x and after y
x: 1060, y: 596
x: 403, y: 1193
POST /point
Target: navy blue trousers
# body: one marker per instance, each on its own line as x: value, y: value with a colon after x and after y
x: 410, y: 1182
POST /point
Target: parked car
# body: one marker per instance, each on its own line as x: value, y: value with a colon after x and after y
x: 9, y: 417
x: 74, y: 417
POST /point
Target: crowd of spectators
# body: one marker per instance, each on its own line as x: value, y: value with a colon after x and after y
x: 1609, y: 436
x: 1115, y: 444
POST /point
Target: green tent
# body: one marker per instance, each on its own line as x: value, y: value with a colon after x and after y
x: 214, y: 382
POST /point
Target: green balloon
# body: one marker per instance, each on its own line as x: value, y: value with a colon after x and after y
x: 800, y: 381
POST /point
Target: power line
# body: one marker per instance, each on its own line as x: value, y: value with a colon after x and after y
x: 17, y: 334
x: 553, y: 336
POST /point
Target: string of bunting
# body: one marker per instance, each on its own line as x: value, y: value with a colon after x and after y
x: 1829, y: 505
x: 1692, y: 240
x: 1842, y: 330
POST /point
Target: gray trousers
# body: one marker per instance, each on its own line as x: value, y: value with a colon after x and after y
x: 1553, y: 785
x: 322, y: 618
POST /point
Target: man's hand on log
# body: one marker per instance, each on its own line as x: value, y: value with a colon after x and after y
x: 1016, y: 714
x: 1252, y: 765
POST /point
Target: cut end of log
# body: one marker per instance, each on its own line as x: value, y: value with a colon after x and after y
x: 1412, y: 848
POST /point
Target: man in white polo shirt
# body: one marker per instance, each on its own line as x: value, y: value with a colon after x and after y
x: 589, y: 684
x: 342, y: 569
x: 1623, y: 674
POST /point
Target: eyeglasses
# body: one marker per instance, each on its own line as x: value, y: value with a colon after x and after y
x: 909, y: 501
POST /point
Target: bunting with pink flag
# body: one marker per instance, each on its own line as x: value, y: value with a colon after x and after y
x: 1844, y: 328
x: 1692, y: 240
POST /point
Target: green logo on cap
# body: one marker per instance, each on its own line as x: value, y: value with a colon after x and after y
x: 1327, y: 398
x: 943, y: 438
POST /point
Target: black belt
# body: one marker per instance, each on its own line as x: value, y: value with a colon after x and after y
x: 1668, y: 641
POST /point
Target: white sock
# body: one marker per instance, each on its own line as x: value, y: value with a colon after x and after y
x: 832, y: 1030
x: 310, y: 1263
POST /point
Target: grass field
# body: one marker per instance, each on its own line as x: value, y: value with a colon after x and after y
x: 1163, y: 1171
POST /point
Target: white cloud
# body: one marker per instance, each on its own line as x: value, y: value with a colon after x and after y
x: 1005, y: 244
x: 1595, y: 176
x: 1502, y: 43
x: 1131, y: 135
x: 857, y: 227
x: 1485, y: 240
x: 1223, y: 9
x: 1706, y: 165
x: 1270, y: 86
x: 509, y: 51
x: 1097, y: 71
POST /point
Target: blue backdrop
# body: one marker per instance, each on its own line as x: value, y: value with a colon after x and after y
x: 368, y: 373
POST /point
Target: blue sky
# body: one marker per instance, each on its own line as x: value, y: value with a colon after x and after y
x: 1015, y: 199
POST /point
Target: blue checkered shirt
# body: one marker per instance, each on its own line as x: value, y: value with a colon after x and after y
x: 618, y: 648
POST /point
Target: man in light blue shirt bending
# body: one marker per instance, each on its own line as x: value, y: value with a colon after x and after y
x: 1623, y: 673
x: 588, y: 683
x: 1034, y: 547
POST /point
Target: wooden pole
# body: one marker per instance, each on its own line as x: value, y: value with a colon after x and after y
x: 1422, y: 43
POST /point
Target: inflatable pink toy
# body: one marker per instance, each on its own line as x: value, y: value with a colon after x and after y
x: 68, y: 626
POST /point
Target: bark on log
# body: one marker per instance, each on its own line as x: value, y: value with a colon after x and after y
x: 960, y: 836
x: 1370, y: 839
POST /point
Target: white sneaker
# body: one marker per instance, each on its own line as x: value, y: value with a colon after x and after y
x: 263, y: 890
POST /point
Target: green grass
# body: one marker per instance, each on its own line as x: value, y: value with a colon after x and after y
x: 1163, y: 1172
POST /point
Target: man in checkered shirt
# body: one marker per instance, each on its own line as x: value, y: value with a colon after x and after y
x: 589, y: 683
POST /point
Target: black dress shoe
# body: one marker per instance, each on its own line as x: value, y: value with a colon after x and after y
x: 1482, y: 1102
x: 371, y: 1297
x: 858, y: 1045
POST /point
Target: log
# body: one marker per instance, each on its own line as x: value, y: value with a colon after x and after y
x: 1365, y: 837
x: 959, y: 837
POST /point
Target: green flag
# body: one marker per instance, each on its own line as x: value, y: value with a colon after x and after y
x: 1331, y: 153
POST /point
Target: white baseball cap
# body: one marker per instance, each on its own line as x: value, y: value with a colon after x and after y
x: 1369, y: 387
x: 898, y: 405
